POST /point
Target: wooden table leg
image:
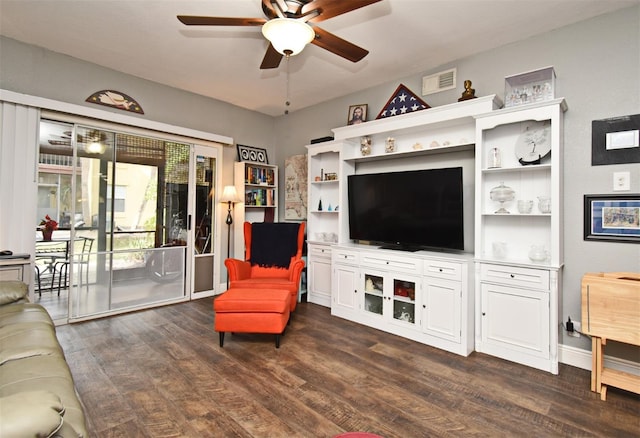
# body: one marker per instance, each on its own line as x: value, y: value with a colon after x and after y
x: 600, y: 365
x: 594, y: 363
x: 603, y: 393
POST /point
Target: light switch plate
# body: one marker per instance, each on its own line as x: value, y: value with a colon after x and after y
x: 621, y: 181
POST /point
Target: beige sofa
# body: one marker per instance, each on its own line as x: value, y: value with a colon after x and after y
x: 37, y: 393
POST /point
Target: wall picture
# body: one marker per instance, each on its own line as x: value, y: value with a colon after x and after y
x: 357, y: 114
x: 250, y: 153
x: 612, y: 218
x: 615, y: 140
x: 295, y: 194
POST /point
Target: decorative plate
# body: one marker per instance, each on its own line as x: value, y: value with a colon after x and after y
x: 534, y: 144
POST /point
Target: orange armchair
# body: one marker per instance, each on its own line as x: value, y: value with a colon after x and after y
x: 254, y: 273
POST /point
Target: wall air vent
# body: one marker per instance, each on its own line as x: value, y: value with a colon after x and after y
x: 445, y: 80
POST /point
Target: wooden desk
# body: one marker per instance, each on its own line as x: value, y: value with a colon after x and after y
x: 611, y: 311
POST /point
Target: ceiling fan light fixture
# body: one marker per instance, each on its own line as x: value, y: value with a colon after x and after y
x: 95, y: 147
x: 288, y: 36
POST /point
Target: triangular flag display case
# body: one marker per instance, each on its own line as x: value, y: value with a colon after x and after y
x: 402, y: 101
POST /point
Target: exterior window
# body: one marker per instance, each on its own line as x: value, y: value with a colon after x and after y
x: 119, y: 199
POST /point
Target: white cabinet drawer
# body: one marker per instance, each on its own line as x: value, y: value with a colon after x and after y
x: 344, y: 256
x: 318, y: 251
x: 402, y: 264
x: 443, y: 269
x: 515, y: 276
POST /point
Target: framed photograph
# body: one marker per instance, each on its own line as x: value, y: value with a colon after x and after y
x: 615, y: 140
x: 250, y: 153
x: 612, y: 218
x: 357, y: 114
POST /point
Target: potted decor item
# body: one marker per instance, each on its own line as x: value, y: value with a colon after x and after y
x: 47, y: 226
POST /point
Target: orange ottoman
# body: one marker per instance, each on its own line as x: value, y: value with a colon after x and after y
x: 252, y: 311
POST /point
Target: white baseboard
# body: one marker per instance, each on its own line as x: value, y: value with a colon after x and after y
x: 580, y: 358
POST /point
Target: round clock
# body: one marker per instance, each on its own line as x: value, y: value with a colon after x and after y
x: 533, y: 145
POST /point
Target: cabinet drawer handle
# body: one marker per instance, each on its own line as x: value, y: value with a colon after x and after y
x: 440, y: 269
x: 512, y: 275
x: 483, y: 314
x: 424, y: 306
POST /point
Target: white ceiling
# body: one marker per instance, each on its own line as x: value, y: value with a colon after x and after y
x: 405, y: 37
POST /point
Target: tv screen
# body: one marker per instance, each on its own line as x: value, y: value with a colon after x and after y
x: 409, y: 210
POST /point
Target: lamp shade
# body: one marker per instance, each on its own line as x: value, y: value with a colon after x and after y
x: 288, y: 35
x: 229, y: 194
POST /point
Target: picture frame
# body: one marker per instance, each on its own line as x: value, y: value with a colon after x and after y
x: 614, y: 218
x: 615, y: 140
x: 252, y: 154
x: 357, y: 114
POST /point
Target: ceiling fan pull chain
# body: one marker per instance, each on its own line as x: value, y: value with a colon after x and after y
x: 287, y: 101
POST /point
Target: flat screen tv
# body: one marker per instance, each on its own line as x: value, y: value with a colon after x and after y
x: 410, y: 210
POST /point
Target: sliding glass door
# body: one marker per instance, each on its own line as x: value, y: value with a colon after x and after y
x: 125, y: 205
x: 204, y: 236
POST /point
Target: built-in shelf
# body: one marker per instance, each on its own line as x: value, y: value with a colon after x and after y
x: 414, y: 153
x: 531, y: 168
x: 441, y: 117
x: 517, y: 214
x: 508, y: 282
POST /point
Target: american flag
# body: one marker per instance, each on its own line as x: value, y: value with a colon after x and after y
x: 402, y: 101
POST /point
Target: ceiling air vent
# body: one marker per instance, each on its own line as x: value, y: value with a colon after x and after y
x: 445, y: 80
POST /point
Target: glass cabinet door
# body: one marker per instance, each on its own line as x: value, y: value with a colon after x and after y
x: 404, y: 304
x: 373, y: 298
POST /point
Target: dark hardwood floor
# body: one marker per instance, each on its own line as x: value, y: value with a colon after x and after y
x: 161, y: 373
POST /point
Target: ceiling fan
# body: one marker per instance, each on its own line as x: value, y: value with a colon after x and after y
x: 288, y: 30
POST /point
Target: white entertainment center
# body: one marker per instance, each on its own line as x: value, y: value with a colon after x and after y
x: 458, y: 301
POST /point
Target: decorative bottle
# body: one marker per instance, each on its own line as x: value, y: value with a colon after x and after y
x: 494, y: 158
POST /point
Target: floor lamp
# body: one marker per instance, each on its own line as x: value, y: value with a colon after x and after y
x: 230, y: 196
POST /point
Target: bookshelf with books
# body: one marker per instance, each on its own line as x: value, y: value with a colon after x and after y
x: 257, y: 184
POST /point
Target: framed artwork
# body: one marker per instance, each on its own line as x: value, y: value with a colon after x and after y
x: 615, y: 140
x: 357, y: 114
x: 115, y: 99
x: 295, y: 192
x: 250, y: 153
x: 612, y: 218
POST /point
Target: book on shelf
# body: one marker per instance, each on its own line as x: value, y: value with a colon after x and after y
x: 260, y: 197
x: 259, y: 175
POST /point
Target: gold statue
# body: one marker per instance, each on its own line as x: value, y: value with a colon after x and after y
x: 468, y: 93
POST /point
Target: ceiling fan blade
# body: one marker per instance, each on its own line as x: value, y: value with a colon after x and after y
x: 333, y: 8
x: 337, y: 45
x: 271, y: 59
x: 274, y: 9
x: 192, y: 20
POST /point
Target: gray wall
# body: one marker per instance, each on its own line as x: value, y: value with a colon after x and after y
x: 597, y: 64
x: 32, y: 70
